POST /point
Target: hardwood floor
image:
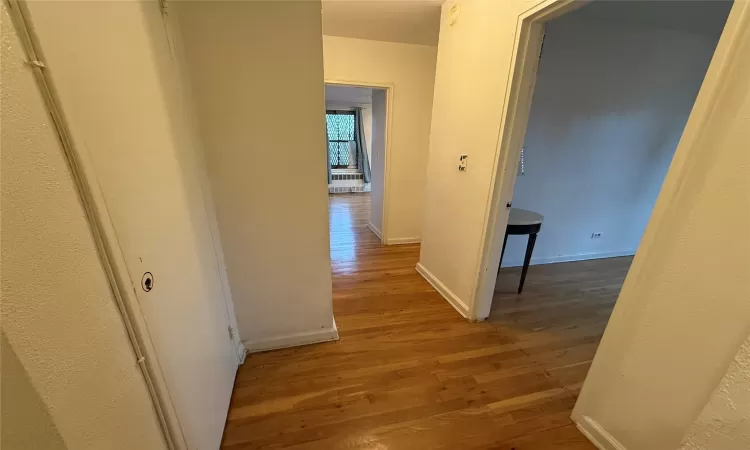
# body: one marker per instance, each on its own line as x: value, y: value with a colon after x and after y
x: 410, y: 373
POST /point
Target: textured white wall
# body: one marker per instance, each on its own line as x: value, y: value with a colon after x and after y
x: 75, y: 377
x: 26, y: 421
x: 724, y: 422
x: 609, y: 107
x: 275, y: 240
x: 411, y: 70
x: 116, y: 78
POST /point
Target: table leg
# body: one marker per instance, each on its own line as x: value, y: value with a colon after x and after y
x: 505, y: 241
x: 527, y: 260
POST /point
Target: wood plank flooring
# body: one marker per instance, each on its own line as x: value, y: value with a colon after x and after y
x: 410, y: 373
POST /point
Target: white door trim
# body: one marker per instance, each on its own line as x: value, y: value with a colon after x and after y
x: 383, y: 235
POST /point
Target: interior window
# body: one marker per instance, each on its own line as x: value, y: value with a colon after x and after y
x: 342, y: 152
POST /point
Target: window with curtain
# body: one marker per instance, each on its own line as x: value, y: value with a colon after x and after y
x: 340, y: 126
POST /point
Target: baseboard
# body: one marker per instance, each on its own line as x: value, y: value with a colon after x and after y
x: 443, y: 290
x: 293, y: 340
x: 375, y: 230
x: 406, y: 240
x: 570, y: 258
x: 598, y: 435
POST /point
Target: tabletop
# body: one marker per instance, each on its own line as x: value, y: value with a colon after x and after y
x: 520, y: 216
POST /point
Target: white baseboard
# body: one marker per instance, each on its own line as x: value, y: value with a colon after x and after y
x: 375, y: 230
x: 569, y: 258
x: 394, y: 241
x: 443, y: 290
x: 293, y: 340
x: 598, y: 435
x: 406, y: 240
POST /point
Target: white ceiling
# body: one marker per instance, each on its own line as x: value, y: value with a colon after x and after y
x: 406, y: 21
x: 348, y: 95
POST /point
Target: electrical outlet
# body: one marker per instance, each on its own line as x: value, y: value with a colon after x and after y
x: 596, y: 235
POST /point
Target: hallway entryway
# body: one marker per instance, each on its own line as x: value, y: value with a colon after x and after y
x: 410, y: 372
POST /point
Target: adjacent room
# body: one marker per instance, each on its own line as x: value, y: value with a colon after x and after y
x: 349, y: 132
x: 355, y: 142
x: 615, y: 85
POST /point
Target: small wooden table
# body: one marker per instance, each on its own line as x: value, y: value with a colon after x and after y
x: 522, y: 221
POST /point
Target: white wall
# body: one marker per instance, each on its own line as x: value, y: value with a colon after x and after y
x: 177, y: 86
x: 69, y: 374
x: 275, y: 240
x: 118, y: 87
x: 378, y: 159
x: 724, y: 422
x: 470, y: 80
x: 609, y: 107
x: 411, y: 70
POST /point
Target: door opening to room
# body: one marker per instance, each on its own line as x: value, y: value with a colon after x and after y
x: 356, y: 134
x: 614, y: 86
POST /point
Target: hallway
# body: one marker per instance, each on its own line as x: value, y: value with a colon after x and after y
x: 409, y: 373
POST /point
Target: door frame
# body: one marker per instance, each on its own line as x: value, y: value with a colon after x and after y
x: 512, y: 130
x: 388, y: 87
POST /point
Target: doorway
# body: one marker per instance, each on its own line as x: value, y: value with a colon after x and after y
x: 356, y: 133
x: 612, y: 88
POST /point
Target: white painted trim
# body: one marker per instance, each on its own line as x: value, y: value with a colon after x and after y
x: 389, y: 96
x: 375, y: 230
x: 598, y: 435
x: 443, y: 290
x: 515, y: 113
x: 405, y: 240
x: 570, y: 258
x: 293, y: 340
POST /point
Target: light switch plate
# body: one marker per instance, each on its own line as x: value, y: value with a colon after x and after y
x: 462, y: 162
